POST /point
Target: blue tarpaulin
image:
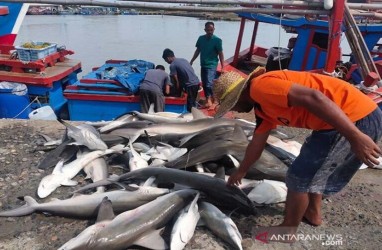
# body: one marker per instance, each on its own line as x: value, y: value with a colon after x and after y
x: 130, y: 74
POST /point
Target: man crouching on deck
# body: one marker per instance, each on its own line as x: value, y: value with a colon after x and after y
x: 345, y: 123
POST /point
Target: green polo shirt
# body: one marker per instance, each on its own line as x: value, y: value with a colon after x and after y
x: 209, y: 50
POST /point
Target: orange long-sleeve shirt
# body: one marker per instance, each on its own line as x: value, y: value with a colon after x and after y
x: 270, y: 93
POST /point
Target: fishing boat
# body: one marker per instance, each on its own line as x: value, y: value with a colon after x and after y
x: 45, y: 71
x: 314, y: 46
x: 51, y: 77
x: 110, y: 90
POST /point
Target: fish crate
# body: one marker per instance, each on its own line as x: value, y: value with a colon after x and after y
x: 34, y: 54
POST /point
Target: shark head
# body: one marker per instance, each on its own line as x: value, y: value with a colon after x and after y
x: 86, y: 239
x: 136, y: 161
x: 185, y: 225
x: 51, y: 182
x: 47, y: 185
x: 233, y: 231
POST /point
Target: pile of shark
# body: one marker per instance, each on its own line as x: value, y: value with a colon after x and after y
x: 175, y: 168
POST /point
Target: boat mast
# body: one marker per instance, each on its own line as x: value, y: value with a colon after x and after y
x: 335, y: 23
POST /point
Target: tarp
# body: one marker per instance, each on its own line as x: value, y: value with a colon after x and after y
x: 129, y: 74
x: 278, y: 53
x: 14, y: 88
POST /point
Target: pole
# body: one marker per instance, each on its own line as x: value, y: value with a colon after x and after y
x: 335, y: 21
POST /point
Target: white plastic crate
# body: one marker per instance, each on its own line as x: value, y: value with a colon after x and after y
x: 30, y: 54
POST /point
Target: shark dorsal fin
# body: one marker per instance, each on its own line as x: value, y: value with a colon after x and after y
x: 68, y: 125
x: 238, y: 134
x: 197, y: 114
x: 220, y: 173
x: 105, y: 210
x: 195, y: 200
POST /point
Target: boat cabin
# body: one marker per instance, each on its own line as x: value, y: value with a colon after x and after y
x: 307, y: 48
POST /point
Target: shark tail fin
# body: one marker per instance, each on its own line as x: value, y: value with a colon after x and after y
x: 30, y: 201
x: 26, y: 209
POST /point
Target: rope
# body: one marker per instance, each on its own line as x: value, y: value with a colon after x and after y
x: 279, y: 40
x: 34, y: 100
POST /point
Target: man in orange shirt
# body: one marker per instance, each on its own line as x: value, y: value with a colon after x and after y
x: 345, y: 123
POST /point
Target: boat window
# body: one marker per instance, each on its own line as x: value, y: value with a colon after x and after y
x: 321, y: 40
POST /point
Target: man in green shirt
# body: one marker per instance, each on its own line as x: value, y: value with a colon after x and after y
x: 210, y: 48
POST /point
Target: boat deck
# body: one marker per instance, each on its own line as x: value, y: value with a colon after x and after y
x: 42, y: 72
x: 31, y: 76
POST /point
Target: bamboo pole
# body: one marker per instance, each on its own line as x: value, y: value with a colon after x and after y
x: 361, y: 6
x: 313, y: 8
x: 235, y: 2
x: 200, y: 2
x: 365, y: 6
x: 372, y: 15
x: 153, y: 6
x: 359, y: 48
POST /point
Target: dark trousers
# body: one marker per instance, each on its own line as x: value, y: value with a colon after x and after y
x: 148, y: 97
x: 192, y: 93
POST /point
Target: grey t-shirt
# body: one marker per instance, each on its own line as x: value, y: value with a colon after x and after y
x: 186, y: 74
x: 154, y: 80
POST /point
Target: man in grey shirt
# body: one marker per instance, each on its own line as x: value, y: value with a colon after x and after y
x: 151, y: 89
x: 184, y: 77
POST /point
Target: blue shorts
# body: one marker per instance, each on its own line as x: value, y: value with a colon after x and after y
x: 326, y: 163
x: 208, y: 76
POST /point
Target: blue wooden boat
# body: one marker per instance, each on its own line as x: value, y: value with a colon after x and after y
x: 51, y: 79
x: 315, y: 46
x: 45, y: 72
x: 101, y: 95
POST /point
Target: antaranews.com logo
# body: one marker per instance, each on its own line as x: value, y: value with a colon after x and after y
x: 280, y: 234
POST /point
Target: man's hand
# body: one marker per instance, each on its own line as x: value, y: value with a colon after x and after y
x: 235, y: 178
x: 252, y: 154
x: 365, y: 149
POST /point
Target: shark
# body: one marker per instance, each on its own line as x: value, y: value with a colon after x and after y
x: 62, y: 175
x: 86, y: 135
x: 141, y: 226
x: 216, y: 189
x: 85, y: 206
x: 184, y: 226
x: 220, y: 224
x: 174, y: 128
x: 234, y: 143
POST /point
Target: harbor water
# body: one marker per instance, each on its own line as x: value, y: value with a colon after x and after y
x: 95, y: 39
